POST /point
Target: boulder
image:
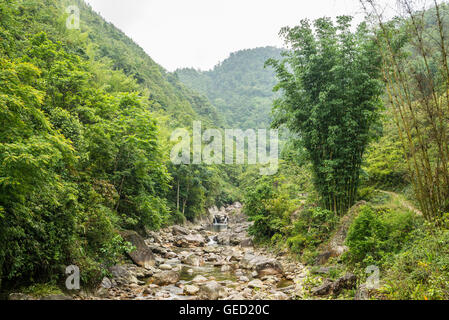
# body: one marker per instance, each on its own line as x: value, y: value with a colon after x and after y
x: 171, y: 255
x: 224, y: 238
x: 189, y: 241
x: 199, y: 279
x: 157, y: 249
x: 193, y: 260
x: 225, y: 268
x: 191, y: 290
x: 178, y: 230
x: 324, y: 289
x: 256, y: 283
x: 279, y: 296
x: 165, y: 267
x: 106, y: 283
x: 248, y: 261
x: 122, y: 275
x: 236, y: 296
x: 246, y: 242
x: 349, y: 281
x: 210, y: 291
x: 322, y: 270
x: 166, y: 278
x: 142, y: 255
x: 323, y: 258
x: 152, y: 235
x: 265, y: 267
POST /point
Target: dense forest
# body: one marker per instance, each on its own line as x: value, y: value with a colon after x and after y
x: 86, y: 119
x: 363, y: 178
x: 240, y: 87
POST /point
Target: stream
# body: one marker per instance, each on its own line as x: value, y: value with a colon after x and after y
x: 206, y: 261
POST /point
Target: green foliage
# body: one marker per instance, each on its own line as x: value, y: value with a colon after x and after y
x: 271, y: 201
x: 269, y: 208
x: 420, y: 271
x: 313, y: 227
x: 82, y: 151
x: 384, y: 166
x: 239, y: 87
x: 331, y: 99
x: 377, y: 235
x: 41, y: 290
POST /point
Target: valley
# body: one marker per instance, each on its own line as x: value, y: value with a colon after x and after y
x: 99, y: 198
x: 195, y: 262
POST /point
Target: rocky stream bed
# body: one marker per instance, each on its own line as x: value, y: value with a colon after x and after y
x: 202, y: 262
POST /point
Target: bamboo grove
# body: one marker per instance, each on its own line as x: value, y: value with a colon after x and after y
x: 415, y: 68
x: 332, y: 101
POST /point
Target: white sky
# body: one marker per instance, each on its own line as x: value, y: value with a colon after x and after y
x: 200, y: 33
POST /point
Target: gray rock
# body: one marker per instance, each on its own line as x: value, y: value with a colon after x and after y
x: 224, y: 238
x: 165, y: 267
x: 210, y: 291
x: 225, y: 268
x: 142, y: 255
x: 157, y: 249
x: 191, y: 290
x: 153, y: 235
x: 178, y: 230
x: 267, y: 266
x: 349, y: 281
x: 279, y: 296
x: 106, y: 283
x: 256, y: 283
x: 324, y: 289
x: 323, y: 258
x: 122, y: 275
x: 246, y: 243
x: 165, y: 278
x: 193, y: 260
x: 189, y: 241
x: 248, y: 261
x: 322, y: 270
x: 199, y: 279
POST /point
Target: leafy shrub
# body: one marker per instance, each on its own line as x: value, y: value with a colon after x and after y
x: 270, y: 210
x: 376, y: 235
x: 384, y: 165
x: 314, y: 226
x: 421, y: 270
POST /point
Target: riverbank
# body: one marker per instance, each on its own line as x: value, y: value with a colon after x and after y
x: 197, y: 262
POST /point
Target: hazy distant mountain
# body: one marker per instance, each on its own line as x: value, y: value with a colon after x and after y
x: 240, y: 87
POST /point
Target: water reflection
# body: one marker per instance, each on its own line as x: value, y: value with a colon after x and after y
x: 217, y: 227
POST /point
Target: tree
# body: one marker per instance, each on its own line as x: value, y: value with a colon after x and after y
x: 414, y: 51
x: 331, y: 99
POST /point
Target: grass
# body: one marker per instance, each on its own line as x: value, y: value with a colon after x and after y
x: 42, y: 289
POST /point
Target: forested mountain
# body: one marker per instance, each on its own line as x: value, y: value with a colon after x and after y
x: 85, y: 119
x: 361, y: 188
x: 240, y: 87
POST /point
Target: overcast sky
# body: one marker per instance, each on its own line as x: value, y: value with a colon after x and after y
x: 200, y: 33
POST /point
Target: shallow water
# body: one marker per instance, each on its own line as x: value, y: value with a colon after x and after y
x: 217, y: 227
x: 284, y: 283
x: 207, y: 271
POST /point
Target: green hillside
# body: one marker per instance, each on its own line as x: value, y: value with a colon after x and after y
x: 240, y: 87
x: 85, y: 120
